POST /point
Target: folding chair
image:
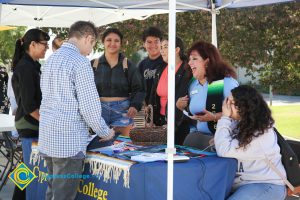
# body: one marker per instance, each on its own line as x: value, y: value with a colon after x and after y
x: 12, y: 153
x: 198, y: 140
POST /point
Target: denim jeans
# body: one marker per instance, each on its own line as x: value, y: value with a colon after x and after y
x: 26, y: 148
x: 259, y: 191
x: 114, y: 113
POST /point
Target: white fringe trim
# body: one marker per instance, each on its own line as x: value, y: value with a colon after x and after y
x: 35, y: 158
x: 101, y: 168
x: 109, y: 170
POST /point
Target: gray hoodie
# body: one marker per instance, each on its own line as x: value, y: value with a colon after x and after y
x: 252, y: 168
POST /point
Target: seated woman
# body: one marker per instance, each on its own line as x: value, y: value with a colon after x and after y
x: 159, y: 92
x: 245, y: 132
x: 119, y: 84
x: 212, y: 81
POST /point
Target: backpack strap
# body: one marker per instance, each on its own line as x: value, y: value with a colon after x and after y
x: 125, y: 67
x: 95, y: 63
x: 124, y: 63
x: 273, y: 167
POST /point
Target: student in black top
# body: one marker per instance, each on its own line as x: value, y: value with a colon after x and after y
x: 159, y: 98
x: 147, y: 67
x: 119, y: 84
x: 26, y: 86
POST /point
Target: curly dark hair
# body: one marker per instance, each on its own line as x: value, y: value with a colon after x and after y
x: 152, y: 32
x: 254, y: 112
x: 217, y: 68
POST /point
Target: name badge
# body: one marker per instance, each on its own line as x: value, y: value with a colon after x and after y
x: 194, y: 92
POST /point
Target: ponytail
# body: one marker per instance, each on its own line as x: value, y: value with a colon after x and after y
x: 19, y: 52
x: 22, y: 44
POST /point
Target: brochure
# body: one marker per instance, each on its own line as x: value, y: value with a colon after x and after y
x: 151, y: 157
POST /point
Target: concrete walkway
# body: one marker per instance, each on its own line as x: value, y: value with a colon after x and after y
x: 7, y: 191
x: 278, y: 100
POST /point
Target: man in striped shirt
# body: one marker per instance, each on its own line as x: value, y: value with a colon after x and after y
x: 70, y: 104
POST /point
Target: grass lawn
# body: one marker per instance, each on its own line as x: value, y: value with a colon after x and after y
x: 287, y: 120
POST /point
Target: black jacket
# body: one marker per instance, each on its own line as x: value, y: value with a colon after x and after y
x: 182, y: 79
x: 115, y: 82
x: 26, y: 86
x: 147, y: 69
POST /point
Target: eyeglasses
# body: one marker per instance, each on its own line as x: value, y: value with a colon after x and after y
x: 44, y: 43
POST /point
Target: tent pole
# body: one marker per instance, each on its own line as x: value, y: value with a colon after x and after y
x: 0, y: 12
x: 214, y: 25
x: 171, y: 97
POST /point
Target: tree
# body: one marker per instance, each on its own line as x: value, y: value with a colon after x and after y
x: 266, y: 35
x: 8, y: 40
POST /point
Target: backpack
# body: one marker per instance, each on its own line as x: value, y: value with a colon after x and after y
x: 124, y: 63
x: 291, y: 165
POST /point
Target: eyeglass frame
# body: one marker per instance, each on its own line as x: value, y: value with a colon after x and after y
x: 45, y: 44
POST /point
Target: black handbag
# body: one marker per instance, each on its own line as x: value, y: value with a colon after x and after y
x: 291, y: 165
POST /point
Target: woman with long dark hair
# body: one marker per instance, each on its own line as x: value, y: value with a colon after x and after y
x: 159, y: 93
x: 119, y: 84
x: 26, y: 87
x: 245, y: 132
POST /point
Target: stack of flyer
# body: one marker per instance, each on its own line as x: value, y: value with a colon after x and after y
x: 152, y: 157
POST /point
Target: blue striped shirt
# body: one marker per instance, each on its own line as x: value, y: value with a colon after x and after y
x: 70, y: 104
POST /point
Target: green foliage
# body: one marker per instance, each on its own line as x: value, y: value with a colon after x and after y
x: 267, y: 36
x: 133, y: 29
x: 64, y: 32
x: 59, y: 32
x: 8, y: 40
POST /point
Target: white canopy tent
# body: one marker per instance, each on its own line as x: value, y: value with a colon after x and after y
x: 123, y: 8
x: 56, y: 13
x: 53, y: 16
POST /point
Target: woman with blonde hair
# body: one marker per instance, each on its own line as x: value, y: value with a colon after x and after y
x: 56, y: 43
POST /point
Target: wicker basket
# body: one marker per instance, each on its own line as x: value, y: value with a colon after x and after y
x: 149, y: 135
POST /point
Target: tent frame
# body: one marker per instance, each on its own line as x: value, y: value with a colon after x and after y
x: 214, y: 10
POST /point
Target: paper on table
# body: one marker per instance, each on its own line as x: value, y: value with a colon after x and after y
x: 91, y: 137
x: 151, y: 157
x: 187, y: 114
x: 112, y: 148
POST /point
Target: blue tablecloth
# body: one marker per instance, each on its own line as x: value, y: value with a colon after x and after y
x: 200, y: 178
